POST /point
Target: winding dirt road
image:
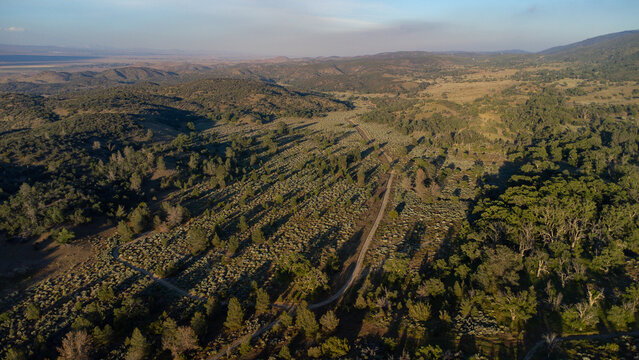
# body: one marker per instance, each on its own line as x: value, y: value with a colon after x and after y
x: 290, y: 308
x: 360, y: 257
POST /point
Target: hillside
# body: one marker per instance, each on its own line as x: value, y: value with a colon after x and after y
x: 52, y: 138
x: 613, y: 56
x: 48, y: 82
x: 604, y: 47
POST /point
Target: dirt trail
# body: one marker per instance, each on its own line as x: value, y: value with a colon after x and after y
x: 116, y: 255
x: 356, y: 271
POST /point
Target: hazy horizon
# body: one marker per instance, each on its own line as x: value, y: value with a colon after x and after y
x: 307, y: 28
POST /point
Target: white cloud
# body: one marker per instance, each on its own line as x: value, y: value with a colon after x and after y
x: 13, y: 29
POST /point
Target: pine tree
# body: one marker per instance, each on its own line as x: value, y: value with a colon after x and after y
x: 261, y: 301
x: 329, y: 322
x: 235, y: 315
x: 306, y: 321
x: 138, y: 346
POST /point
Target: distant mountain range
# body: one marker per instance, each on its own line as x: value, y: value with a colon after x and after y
x: 612, y: 56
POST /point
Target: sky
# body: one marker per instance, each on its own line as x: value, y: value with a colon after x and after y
x: 299, y: 28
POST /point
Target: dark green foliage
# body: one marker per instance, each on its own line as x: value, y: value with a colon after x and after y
x: 262, y: 301
x: 198, y: 324
x: 138, y: 346
x: 305, y: 320
x: 198, y: 240
x: 63, y: 236
x: 139, y: 218
x: 234, y: 315
x: 125, y: 232
x: 32, y: 312
x: 335, y: 347
x: 329, y: 322
x: 257, y: 236
x: 446, y: 127
x: 100, y: 156
x: 102, y: 337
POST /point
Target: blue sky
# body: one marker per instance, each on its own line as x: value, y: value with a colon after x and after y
x: 311, y: 28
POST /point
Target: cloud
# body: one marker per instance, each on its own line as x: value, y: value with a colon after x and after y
x: 13, y: 29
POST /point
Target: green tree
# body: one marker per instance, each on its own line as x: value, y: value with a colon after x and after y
x: 305, y: 320
x: 284, y: 353
x: 262, y: 301
x: 361, y: 177
x: 198, y: 240
x: 103, y: 337
x: 15, y: 354
x: 621, y: 316
x: 257, y: 236
x: 329, y: 322
x: 517, y: 308
x: 135, y: 182
x: 139, y: 218
x: 335, y: 347
x: 160, y: 164
x: 429, y: 352
x: 198, y: 324
x: 282, y: 128
x: 180, y: 341
x: 243, y: 225
x: 194, y: 161
x: 105, y: 293
x: 125, y: 232
x: 418, y: 311
x: 138, y: 346
x: 234, y: 315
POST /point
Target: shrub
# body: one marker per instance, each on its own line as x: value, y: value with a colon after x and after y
x: 32, y: 312
x: 418, y: 311
x: 334, y: 347
x: 64, y: 236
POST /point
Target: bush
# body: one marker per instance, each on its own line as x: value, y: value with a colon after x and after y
x: 257, y: 236
x: 334, y: 347
x: 64, y: 236
x: 32, y: 312
x: 418, y: 311
x: 429, y: 352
